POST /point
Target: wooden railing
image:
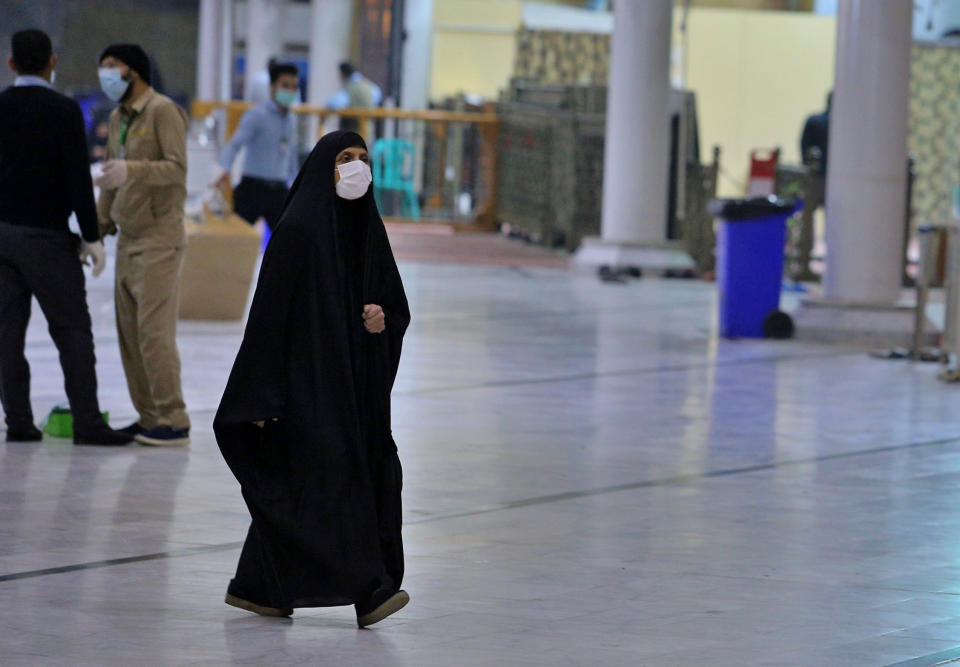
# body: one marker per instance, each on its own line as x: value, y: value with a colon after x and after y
x: 445, y: 133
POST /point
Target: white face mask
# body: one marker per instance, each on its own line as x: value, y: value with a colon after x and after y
x: 355, y: 179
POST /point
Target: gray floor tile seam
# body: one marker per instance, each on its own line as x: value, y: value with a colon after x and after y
x: 37, y: 344
x: 95, y: 565
x: 187, y: 331
x: 675, y: 368
x: 948, y: 657
x: 499, y: 507
x: 671, y: 368
x: 463, y: 316
x: 682, y: 479
x: 792, y: 581
x: 98, y: 340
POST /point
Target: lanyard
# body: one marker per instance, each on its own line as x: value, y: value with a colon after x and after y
x: 125, y: 123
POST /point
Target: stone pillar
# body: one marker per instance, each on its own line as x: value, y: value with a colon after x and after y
x: 209, y: 34
x: 866, y: 179
x: 331, y: 25
x: 331, y: 28
x: 266, y: 28
x: 866, y: 174
x: 636, y: 160
x: 638, y: 131
x: 227, y: 39
x: 418, y: 26
x: 415, y: 85
x: 215, y: 50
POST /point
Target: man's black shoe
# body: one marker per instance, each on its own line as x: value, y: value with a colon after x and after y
x: 32, y: 434
x: 104, y: 437
x: 164, y: 436
x: 133, y: 430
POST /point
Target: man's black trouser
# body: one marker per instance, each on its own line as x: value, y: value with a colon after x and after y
x: 45, y: 264
x: 254, y: 198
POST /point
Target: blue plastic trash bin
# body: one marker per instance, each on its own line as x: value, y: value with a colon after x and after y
x: 750, y: 246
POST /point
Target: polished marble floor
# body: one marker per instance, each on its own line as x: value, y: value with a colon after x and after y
x: 592, y: 478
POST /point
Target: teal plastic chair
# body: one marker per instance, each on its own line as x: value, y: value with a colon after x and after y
x: 393, y: 170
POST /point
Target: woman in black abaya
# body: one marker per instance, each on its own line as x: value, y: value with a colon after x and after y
x: 304, y: 423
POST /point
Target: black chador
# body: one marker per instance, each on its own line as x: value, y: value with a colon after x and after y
x: 321, y: 476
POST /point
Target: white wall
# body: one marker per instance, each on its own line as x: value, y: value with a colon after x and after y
x: 931, y: 18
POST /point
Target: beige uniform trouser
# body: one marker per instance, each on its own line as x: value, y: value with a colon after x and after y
x: 813, y: 198
x: 147, y: 295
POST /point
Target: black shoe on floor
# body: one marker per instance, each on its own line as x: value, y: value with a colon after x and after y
x: 241, y: 599
x: 31, y: 434
x: 164, y: 436
x: 241, y: 603
x: 133, y: 430
x: 382, y: 603
x: 103, y: 436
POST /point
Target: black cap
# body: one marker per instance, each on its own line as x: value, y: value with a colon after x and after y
x: 131, y: 55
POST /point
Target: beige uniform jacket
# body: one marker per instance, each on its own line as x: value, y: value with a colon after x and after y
x: 148, y: 207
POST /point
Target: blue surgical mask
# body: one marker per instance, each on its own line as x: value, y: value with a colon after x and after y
x: 112, y: 82
x: 286, y: 98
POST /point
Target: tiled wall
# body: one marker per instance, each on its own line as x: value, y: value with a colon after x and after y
x: 562, y: 57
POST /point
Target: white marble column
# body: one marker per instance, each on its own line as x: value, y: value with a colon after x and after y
x: 415, y: 84
x: 636, y: 160
x: 209, y: 34
x: 418, y: 25
x: 866, y: 182
x: 214, y: 49
x: 266, y: 28
x: 866, y: 174
x: 331, y: 24
x: 227, y: 39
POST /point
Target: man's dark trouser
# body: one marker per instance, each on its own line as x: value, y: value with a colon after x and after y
x: 254, y: 198
x: 45, y: 264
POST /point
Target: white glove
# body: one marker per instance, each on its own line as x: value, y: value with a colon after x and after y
x: 114, y: 174
x: 96, y: 252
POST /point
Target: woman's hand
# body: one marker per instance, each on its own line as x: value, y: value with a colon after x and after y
x: 262, y: 424
x: 374, y: 318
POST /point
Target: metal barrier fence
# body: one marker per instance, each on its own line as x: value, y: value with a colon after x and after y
x: 445, y: 160
x: 551, y: 170
x: 950, y: 340
x: 934, y: 242
x: 549, y: 163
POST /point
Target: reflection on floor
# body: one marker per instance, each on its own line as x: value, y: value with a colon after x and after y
x: 591, y: 479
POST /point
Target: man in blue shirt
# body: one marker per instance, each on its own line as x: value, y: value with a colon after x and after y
x: 269, y: 133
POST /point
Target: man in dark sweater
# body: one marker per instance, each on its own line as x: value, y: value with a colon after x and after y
x: 44, y: 176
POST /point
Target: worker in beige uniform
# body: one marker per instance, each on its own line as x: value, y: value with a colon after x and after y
x: 143, y: 189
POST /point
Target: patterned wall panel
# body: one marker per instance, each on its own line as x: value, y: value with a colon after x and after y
x: 934, y: 129
x: 562, y: 57
x: 578, y: 58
